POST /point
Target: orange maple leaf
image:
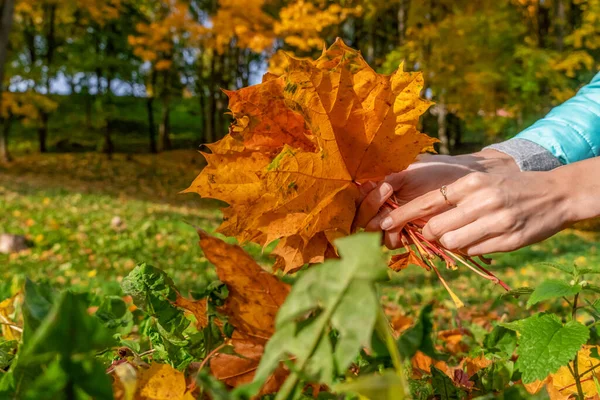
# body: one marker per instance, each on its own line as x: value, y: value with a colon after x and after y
x: 251, y: 306
x: 301, y: 142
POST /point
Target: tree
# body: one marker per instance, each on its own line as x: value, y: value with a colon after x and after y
x: 6, y: 19
x: 160, y: 41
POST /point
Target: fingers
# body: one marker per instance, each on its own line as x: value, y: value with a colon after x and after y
x: 498, y: 244
x: 468, y: 235
x: 392, y: 240
x: 365, y: 189
x: 421, y: 207
x: 372, y: 202
x: 449, y: 221
x: 375, y: 224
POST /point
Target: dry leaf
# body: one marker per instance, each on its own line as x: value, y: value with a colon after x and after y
x: 474, y: 365
x: 534, y: 387
x: 10, y: 329
x: 300, y: 143
x: 158, y: 382
x: 251, y: 306
x: 421, y: 364
x: 554, y: 393
x: 452, y: 340
x: 563, y: 382
x: 197, y: 308
x: 399, y: 262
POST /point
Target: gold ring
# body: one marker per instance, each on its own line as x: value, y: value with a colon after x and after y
x: 444, y: 192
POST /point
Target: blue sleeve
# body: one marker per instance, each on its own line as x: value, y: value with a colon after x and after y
x: 571, y: 131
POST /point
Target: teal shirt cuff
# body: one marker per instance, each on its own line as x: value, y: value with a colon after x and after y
x: 571, y: 131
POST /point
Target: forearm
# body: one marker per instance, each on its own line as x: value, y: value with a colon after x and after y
x: 490, y: 161
x: 579, y: 186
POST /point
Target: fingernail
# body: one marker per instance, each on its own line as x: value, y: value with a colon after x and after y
x: 385, y: 189
x: 386, y: 223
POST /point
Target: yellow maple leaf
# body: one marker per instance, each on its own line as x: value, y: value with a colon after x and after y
x: 302, y: 141
x: 157, y: 382
x: 563, y: 384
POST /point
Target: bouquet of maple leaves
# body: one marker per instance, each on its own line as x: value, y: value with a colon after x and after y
x: 300, y: 146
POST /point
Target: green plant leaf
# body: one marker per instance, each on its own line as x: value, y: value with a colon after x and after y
x: 569, y: 269
x: 501, y: 340
x: 114, y: 313
x: 338, y: 294
x: 443, y: 387
x: 546, y: 344
x: 551, y: 289
x: 497, y: 376
x: 418, y: 337
x: 154, y: 293
x: 69, y: 329
x: 8, y: 348
x: 384, y: 386
x: 518, y: 292
x: 36, y: 306
x: 60, y: 355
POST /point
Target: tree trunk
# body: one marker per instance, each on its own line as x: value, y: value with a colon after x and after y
x: 151, y: 127
x: 6, y: 19
x: 401, y: 21
x: 51, y: 44
x: 442, y: 113
x: 164, y: 141
x: 4, y: 130
x: 209, y: 106
x: 88, y: 110
x: 560, y: 24
x: 43, y: 131
x: 108, y: 146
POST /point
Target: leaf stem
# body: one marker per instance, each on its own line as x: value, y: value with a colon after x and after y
x: 211, y: 354
x: 575, y: 371
x: 382, y: 327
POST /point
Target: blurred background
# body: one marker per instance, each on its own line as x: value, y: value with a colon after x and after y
x: 104, y: 103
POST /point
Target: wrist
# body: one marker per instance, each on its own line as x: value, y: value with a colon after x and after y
x: 490, y: 161
x: 578, y: 191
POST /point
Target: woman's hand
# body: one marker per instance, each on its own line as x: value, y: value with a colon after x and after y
x: 430, y: 172
x: 489, y: 212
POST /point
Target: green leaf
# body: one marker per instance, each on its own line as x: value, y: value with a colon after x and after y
x: 501, y: 340
x: 338, y: 294
x: 154, y: 293
x: 68, y: 329
x: 384, y: 386
x: 551, y: 289
x: 8, y: 348
x: 36, y: 306
x: 60, y: 357
x: 546, y: 344
x: 518, y: 292
x: 497, y: 377
x: 114, y: 313
x: 443, y: 387
x: 569, y: 269
x: 418, y: 337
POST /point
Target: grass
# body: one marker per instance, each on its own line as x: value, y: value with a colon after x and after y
x: 64, y: 205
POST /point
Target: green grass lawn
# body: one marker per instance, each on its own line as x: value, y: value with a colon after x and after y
x: 64, y: 205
